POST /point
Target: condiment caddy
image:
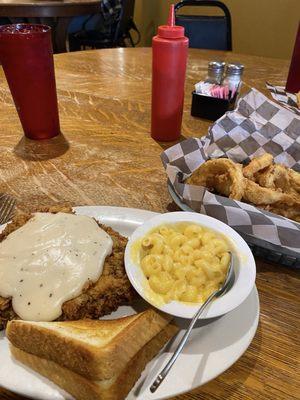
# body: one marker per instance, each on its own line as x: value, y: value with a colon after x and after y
x: 218, y: 92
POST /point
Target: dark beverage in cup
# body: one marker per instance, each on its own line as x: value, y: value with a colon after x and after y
x: 293, y: 81
x: 26, y: 56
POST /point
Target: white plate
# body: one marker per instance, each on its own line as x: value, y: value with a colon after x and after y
x: 213, y: 347
x: 243, y: 262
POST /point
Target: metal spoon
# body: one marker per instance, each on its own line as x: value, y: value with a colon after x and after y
x: 161, y: 376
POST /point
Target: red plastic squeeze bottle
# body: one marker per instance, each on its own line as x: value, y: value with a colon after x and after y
x: 169, y: 58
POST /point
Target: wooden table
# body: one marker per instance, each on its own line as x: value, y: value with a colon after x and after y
x: 56, y: 13
x: 106, y: 157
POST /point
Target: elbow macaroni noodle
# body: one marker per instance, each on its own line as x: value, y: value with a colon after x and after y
x: 184, y: 261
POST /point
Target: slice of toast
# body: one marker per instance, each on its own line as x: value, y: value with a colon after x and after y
x: 112, y: 289
x: 115, y: 388
x: 94, y: 349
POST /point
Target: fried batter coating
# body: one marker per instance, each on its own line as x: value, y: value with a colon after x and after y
x: 295, y: 180
x: 258, y: 195
x: 275, y: 176
x: 257, y: 164
x: 280, y: 178
x: 221, y: 174
x: 281, y: 209
x: 273, y: 187
x: 112, y: 289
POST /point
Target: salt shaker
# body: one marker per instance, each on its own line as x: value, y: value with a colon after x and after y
x: 215, y: 72
x: 233, y: 76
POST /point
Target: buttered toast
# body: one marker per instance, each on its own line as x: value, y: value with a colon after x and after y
x: 116, y: 387
x: 92, y: 359
x: 95, y: 349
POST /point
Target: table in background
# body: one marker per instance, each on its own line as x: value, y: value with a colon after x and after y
x: 57, y: 13
x: 107, y: 157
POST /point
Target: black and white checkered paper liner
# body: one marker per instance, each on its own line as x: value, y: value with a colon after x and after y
x: 289, y: 100
x: 256, y: 126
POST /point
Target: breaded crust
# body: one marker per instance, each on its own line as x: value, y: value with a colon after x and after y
x: 112, y: 289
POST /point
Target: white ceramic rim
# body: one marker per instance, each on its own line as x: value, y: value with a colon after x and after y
x: 244, y: 266
x: 182, y: 379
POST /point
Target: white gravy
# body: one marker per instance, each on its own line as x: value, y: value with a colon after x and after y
x: 49, y: 260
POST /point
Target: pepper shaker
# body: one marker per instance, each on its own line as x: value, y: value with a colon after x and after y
x: 215, y: 72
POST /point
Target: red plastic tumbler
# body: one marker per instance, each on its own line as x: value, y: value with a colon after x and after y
x: 169, y: 58
x: 26, y: 56
x: 293, y: 81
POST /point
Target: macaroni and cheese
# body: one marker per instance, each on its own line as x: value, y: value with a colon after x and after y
x: 184, y: 261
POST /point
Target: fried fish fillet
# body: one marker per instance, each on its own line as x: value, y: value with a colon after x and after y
x: 112, y: 289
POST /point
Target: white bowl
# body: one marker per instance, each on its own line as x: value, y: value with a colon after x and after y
x: 244, y: 267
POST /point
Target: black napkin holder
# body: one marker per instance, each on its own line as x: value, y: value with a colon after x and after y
x: 211, y: 108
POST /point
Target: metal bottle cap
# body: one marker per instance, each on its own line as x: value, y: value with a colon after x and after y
x: 216, y: 65
x: 234, y: 69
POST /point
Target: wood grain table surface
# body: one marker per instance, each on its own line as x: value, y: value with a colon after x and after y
x: 107, y: 157
x: 47, y: 8
x: 56, y: 13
